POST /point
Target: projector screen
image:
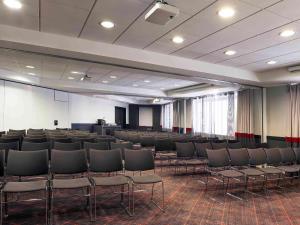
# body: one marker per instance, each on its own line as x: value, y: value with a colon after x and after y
x: 145, y: 116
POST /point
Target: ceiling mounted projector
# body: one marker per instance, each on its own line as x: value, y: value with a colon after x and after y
x: 161, y: 13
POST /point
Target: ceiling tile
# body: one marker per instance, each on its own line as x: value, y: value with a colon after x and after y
x: 287, y: 8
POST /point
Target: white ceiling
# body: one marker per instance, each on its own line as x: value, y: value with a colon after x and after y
x: 252, y: 32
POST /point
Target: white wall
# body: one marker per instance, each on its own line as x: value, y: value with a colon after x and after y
x: 25, y: 106
x: 146, y: 116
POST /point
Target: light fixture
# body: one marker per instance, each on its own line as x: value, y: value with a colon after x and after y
x: 113, y: 77
x: 30, y: 67
x: 135, y: 85
x: 230, y: 52
x: 76, y: 72
x: 82, y: 78
x: 105, y: 81
x: 147, y: 81
x: 13, y: 4
x: 107, y: 24
x: 71, y: 78
x: 287, y: 33
x: 226, y: 12
x: 272, y: 62
x: 177, y: 39
x: 32, y: 74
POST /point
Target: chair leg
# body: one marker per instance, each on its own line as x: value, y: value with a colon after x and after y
x: 5, y: 205
x: 52, y: 207
x: 46, y: 202
x: 132, y: 193
x: 1, y: 205
x: 152, y: 192
x: 163, y: 196
x: 95, y: 203
x: 90, y: 203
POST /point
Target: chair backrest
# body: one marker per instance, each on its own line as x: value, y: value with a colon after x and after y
x: 219, y: 145
x: 257, y: 156
x: 165, y: 144
x: 139, y: 160
x: 82, y: 140
x: 218, y: 158
x: 22, y: 132
x: 201, y: 148
x: 238, y: 157
x: 32, y: 146
x: 185, y: 149
x: 287, y: 155
x: 96, y: 145
x: 234, y: 145
x: 297, y: 154
x: 10, y: 145
x: 27, y: 163
x: 68, y: 162
x: 122, y: 145
x: 273, y: 156
x: 67, y: 146
x: 147, y: 141
x: 35, y: 139
x: 105, y: 161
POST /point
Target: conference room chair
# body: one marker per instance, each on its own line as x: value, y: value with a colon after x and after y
x: 122, y: 146
x: 147, y: 142
x: 274, y: 158
x: 25, y: 164
x: 21, y: 132
x: 11, y: 138
x: 201, y: 148
x: 35, y: 139
x: 219, y: 166
x: 258, y: 159
x: 82, y: 140
x: 69, y: 171
x: 165, y: 151
x: 289, y: 160
x: 239, y: 159
x: 140, y: 161
x: 108, y: 162
x: 9, y: 145
x: 234, y: 144
x: 96, y: 145
x: 67, y: 146
x: 34, y: 146
x: 218, y: 144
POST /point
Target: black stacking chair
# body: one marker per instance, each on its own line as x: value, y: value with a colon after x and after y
x: 148, y: 142
x: 69, y: 164
x: 142, y: 160
x: 239, y: 159
x: 289, y: 160
x: 26, y: 164
x: 219, y: 145
x: 219, y: 165
x: 33, y: 146
x: 108, y: 162
x: 67, y: 146
x: 96, y: 145
x: 234, y: 145
x: 9, y: 145
x: 122, y: 146
x: 258, y: 159
x: 164, y: 150
x: 201, y: 149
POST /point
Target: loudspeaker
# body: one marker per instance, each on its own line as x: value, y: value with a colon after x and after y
x: 55, y: 122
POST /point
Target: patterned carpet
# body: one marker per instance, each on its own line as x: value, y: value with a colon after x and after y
x: 186, y: 201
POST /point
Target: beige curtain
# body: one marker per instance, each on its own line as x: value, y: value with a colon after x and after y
x: 189, y: 115
x: 294, y: 115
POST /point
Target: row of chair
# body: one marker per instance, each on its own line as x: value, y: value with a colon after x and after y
x: 81, y: 175
x: 243, y: 164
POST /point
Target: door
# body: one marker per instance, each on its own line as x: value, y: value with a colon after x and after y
x: 120, y: 116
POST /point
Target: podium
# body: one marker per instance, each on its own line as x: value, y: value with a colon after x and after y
x: 106, y: 129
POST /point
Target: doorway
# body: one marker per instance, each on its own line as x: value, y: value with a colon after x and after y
x: 120, y: 116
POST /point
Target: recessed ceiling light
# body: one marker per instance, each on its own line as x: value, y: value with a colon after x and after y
x: 226, y: 12
x: 32, y: 74
x: 230, y: 52
x: 135, y: 85
x: 76, y: 72
x: 147, y: 81
x: 71, y: 78
x: 113, y: 77
x: 107, y: 24
x: 82, y: 78
x: 178, y: 39
x: 13, y: 4
x: 162, y: 88
x: 105, y: 81
x: 287, y: 33
x: 30, y: 67
x: 272, y: 62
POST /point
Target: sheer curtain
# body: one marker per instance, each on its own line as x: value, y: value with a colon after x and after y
x: 167, y: 116
x: 214, y: 114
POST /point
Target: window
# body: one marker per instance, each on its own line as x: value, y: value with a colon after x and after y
x: 167, y: 116
x: 214, y: 114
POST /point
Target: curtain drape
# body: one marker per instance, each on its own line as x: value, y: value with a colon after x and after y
x: 214, y: 115
x: 167, y: 116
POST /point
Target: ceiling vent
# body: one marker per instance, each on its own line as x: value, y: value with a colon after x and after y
x: 294, y: 68
x: 161, y: 13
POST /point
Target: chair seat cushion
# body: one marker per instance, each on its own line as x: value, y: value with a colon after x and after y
x: 110, y: 181
x: 271, y: 170
x: 252, y: 172
x: 230, y: 173
x: 25, y: 186
x: 146, y: 179
x: 71, y: 183
x: 288, y: 169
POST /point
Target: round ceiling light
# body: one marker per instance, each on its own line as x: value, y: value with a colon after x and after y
x: 287, y: 33
x: 226, y: 12
x: 272, y: 62
x: 230, y: 52
x: 178, y: 40
x: 107, y: 24
x: 13, y: 4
